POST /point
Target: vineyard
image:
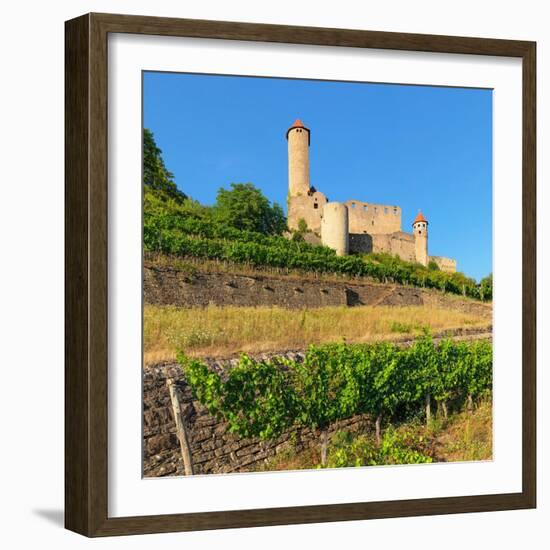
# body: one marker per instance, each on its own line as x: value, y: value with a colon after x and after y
x: 336, y: 381
x: 231, y: 278
x: 178, y: 235
x: 243, y: 227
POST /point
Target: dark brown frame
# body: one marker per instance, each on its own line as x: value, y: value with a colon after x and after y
x: 86, y: 274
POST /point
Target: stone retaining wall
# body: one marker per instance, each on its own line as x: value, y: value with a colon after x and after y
x: 214, y: 449
x: 169, y: 286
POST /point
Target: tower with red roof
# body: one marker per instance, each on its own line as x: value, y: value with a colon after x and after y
x: 420, y: 231
x: 352, y: 226
x: 298, y: 137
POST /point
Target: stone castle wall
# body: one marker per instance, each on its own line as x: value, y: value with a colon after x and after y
x: 360, y: 243
x: 309, y: 207
x: 445, y: 264
x: 399, y: 243
x: 374, y: 219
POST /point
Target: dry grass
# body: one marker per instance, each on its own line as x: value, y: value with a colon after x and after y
x: 464, y: 436
x: 468, y: 437
x: 223, y: 331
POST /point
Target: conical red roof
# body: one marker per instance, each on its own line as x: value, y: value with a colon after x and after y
x: 420, y: 218
x: 299, y: 124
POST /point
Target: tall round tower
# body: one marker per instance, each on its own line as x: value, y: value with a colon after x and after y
x: 420, y: 230
x: 335, y: 227
x: 298, y: 159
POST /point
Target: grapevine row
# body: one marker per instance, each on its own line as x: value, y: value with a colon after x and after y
x: 279, y: 252
x: 336, y: 381
x: 155, y: 223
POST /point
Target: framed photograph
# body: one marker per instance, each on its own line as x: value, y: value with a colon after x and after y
x: 300, y: 275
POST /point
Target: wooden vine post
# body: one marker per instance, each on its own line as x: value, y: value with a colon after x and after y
x: 180, y: 429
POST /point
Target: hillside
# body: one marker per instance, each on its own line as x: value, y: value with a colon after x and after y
x: 279, y: 353
x: 464, y: 436
x: 244, y: 228
x: 212, y: 309
x: 196, y: 282
x: 425, y: 400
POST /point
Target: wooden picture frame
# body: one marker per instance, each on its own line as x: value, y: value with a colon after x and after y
x: 86, y: 282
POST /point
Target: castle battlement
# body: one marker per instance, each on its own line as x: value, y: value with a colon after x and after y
x: 351, y: 226
x: 375, y: 219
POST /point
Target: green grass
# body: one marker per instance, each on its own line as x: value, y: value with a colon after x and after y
x: 408, y: 328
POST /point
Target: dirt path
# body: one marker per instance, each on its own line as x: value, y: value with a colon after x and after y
x: 462, y: 334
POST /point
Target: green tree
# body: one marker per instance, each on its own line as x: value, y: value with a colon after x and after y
x: 302, y: 226
x: 156, y: 177
x: 486, y: 287
x: 298, y: 234
x: 245, y: 207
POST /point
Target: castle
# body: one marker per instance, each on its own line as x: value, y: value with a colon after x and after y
x: 352, y: 226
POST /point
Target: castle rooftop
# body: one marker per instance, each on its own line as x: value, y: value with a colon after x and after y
x: 420, y: 218
x: 297, y: 124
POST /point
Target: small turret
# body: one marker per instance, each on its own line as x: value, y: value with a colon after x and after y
x: 335, y: 227
x: 420, y: 230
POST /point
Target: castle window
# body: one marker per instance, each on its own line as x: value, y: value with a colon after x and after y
x: 395, y: 211
x: 315, y: 205
x: 375, y: 209
x: 385, y: 210
x: 365, y: 207
x: 353, y: 205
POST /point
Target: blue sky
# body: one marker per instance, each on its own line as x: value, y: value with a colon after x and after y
x: 419, y: 147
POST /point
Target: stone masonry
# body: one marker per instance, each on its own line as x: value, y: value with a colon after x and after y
x: 169, y: 286
x: 368, y: 227
x: 214, y: 449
